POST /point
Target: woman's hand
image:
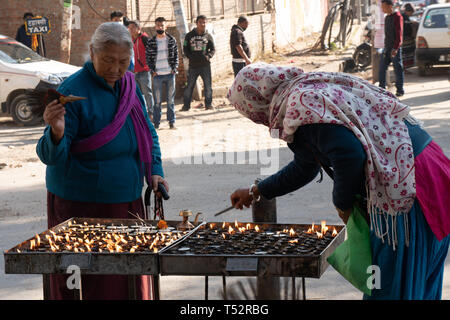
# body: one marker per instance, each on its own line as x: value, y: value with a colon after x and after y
x: 241, y: 198
x: 344, y: 214
x: 155, y: 180
x: 54, y: 117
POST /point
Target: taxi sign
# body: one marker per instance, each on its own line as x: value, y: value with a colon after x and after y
x: 37, y: 25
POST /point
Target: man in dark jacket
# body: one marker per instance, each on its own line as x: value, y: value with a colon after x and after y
x: 393, y: 38
x: 199, y: 49
x: 141, y: 69
x: 239, y: 46
x: 162, y: 59
x: 27, y: 40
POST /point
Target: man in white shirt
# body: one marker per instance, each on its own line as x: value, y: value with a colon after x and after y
x: 162, y: 59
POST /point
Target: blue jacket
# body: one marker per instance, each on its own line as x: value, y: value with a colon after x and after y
x: 334, y: 146
x: 114, y: 172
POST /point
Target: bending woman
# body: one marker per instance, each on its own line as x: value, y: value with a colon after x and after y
x: 365, y: 136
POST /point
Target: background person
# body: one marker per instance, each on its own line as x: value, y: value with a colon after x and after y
x: 117, y: 16
x: 99, y: 151
x: 199, y: 49
x: 409, y: 36
x: 240, y: 50
x: 162, y: 57
x: 368, y: 140
x: 392, y: 52
x: 141, y: 69
x: 31, y: 41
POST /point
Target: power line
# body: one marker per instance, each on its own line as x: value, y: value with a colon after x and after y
x: 92, y: 8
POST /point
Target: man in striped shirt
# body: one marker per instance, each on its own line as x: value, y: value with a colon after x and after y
x: 162, y: 59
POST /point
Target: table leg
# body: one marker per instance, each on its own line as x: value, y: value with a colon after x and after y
x: 132, y: 287
x: 156, y: 293
x: 303, y: 288
x: 224, y: 286
x: 46, y: 286
x: 206, y: 287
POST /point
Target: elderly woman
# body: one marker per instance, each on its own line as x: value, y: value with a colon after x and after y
x: 365, y: 138
x: 99, y: 150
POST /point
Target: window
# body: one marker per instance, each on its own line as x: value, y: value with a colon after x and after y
x: 437, y: 18
x: 14, y: 52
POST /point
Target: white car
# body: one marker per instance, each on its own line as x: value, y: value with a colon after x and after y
x: 433, y: 37
x: 22, y: 69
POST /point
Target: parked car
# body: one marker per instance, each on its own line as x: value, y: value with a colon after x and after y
x: 433, y: 37
x: 22, y: 69
x: 417, y: 4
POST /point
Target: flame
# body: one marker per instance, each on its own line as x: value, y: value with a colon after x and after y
x: 155, y: 250
x: 334, y: 234
x: 248, y: 226
x: 32, y: 244
x: 311, y: 230
x: 38, y: 240
x: 223, y: 225
x: 257, y: 229
x: 324, y: 228
x: 291, y: 232
x: 236, y: 224
x: 319, y: 235
x: 293, y: 241
x: 211, y: 226
x: 224, y: 236
x: 242, y: 229
x: 231, y: 230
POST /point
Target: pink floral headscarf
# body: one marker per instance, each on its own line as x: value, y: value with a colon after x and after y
x: 284, y: 98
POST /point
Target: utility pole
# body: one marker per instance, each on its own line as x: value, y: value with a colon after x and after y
x: 183, y: 29
x: 66, y: 31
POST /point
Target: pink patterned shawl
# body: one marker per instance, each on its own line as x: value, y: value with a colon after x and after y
x: 284, y: 98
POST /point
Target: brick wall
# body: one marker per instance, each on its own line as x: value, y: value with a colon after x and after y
x: 11, y: 14
x: 86, y: 20
x: 258, y: 35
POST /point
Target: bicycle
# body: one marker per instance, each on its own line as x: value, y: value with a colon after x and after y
x: 342, y: 10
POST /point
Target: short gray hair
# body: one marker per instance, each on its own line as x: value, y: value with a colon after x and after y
x: 111, y: 33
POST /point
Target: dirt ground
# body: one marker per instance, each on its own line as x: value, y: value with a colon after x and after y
x: 202, y: 166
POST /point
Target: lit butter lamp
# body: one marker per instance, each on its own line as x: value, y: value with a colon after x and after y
x: 185, y: 224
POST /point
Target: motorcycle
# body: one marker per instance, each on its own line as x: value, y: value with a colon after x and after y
x: 363, y: 53
x: 362, y: 56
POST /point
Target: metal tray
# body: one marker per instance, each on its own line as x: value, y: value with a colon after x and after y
x: 283, y: 265
x: 123, y: 263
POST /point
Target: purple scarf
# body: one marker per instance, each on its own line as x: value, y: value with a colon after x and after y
x: 129, y: 104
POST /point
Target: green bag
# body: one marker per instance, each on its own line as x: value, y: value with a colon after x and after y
x: 352, y: 257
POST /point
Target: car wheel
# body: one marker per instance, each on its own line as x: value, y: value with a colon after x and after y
x: 21, y: 111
